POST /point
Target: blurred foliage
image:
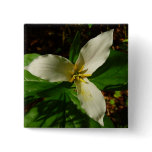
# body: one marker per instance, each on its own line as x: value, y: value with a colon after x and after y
x: 57, y: 39
x: 54, y: 104
x: 117, y: 107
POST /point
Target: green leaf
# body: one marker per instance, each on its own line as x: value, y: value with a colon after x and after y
x: 28, y: 58
x: 59, y: 112
x: 72, y: 93
x: 75, y: 48
x: 108, y: 123
x: 113, y: 75
x: 33, y: 85
x: 45, y: 113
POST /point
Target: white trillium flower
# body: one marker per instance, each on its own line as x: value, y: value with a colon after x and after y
x: 92, y: 55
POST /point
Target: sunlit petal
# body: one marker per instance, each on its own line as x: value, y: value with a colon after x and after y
x: 51, y: 67
x: 91, y: 99
x: 95, y: 52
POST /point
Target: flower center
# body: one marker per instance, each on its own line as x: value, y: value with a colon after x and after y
x: 79, y: 75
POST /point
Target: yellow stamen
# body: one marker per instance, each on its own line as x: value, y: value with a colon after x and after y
x: 75, y: 67
x: 85, y: 75
x: 74, y: 76
x: 78, y: 78
x: 78, y: 75
x: 72, y: 79
x: 81, y: 68
x: 84, y: 71
x: 82, y: 80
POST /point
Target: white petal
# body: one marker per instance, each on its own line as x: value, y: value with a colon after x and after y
x: 95, y: 52
x: 51, y: 67
x: 92, y: 100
